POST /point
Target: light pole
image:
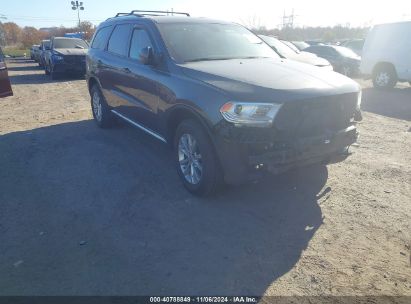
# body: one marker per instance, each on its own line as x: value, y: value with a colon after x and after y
x: 77, y: 6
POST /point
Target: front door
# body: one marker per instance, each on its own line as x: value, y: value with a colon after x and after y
x: 141, y: 86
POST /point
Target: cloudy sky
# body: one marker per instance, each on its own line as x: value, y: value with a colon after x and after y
x: 252, y: 13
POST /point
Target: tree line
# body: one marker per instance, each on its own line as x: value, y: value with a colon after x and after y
x: 325, y: 34
x: 11, y: 34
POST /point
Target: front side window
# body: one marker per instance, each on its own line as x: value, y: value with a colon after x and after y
x: 212, y: 41
x: 100, y: 40
x: 139, y: 40
x: 119, y: 40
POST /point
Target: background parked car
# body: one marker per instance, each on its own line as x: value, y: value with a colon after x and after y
x: 66, y: 55
x: 314, y: 42
x: 344, y: 60
x: 5, y: 87
x: 37, y: 52
x: 286, y: 51
x: 301, y: 45
x: 33, y: 50
x: 356, y: 45
x: 387, y: 54
x: 44, y: 47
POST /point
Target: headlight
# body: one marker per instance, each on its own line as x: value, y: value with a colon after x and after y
x: 250, y: 114
x: 359, y: 98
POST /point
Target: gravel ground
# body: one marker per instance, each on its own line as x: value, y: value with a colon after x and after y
x: 85, y: 211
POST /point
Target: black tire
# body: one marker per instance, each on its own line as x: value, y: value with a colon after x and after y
x: 211, y: 174
x: 384, y: 77
x: 46, y: 69
x: 53, y: 74
x: 105, y: 120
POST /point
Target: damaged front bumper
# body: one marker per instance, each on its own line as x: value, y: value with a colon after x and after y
x: 242, y: 160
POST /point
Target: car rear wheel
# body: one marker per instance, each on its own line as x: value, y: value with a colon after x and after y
x: 384, y: 77
x: 101, y: 111
x: 195, y: 158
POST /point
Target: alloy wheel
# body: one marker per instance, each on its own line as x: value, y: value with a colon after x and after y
x: 189, y: 157
x: 382, y: 79
x: 97, y: 109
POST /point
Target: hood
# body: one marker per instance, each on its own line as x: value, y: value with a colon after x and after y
x: 71, y: 51
x: 269, y: 79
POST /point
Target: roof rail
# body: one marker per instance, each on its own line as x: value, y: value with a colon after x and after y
x: 142, y: 13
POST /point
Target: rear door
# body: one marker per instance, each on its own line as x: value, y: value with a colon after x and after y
x: 5, y: 87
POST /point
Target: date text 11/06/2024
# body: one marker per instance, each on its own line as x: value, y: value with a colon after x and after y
x: 237, y: 299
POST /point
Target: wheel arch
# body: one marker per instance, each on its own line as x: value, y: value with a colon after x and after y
x: 177, y: 114
x: 382, y: 64
x: 91, y: 82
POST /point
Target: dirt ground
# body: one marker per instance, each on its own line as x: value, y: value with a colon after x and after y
x: 85, y: 211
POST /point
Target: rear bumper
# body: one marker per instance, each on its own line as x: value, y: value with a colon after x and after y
x: 241, y: 163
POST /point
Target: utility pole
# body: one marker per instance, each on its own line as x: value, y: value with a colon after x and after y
x: 77, y: 6
x: 288, y: 20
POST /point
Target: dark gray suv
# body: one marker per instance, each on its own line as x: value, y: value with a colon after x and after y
x: 222, y: 98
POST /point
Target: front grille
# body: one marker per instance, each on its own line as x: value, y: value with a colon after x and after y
x: 75, y: 59
x: 318, y: 116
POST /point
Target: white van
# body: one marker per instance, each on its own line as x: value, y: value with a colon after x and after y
x: 386, y: 56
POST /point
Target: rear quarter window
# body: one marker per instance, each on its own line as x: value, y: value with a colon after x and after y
x: 101, y: 37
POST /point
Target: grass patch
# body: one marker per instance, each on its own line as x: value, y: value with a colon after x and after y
x: 16, y: 52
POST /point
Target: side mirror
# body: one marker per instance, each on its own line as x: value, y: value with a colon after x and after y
x: 147, y: 56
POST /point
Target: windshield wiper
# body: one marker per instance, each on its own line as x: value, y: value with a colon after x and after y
x: 252, y: 57
x: 79, y: 47
x: 209, y: 59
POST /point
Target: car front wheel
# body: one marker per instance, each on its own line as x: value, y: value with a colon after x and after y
x: 196, y: 160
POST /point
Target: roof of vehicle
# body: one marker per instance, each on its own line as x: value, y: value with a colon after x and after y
x: 393, y: 23
x: 158, y: 18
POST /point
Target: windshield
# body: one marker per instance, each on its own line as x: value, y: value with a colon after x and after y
x: 69, y: 44
x: 204, y: 41
x: 346, y: 52
x: 291, y: 46
x: 282, y: 49
x: 301, y: 45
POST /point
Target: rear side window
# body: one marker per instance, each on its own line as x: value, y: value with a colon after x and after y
x: 139, y: 40
x: 118, y: 42
x: 100, y: 40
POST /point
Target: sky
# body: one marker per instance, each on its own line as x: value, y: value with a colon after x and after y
x: 252, y: 13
